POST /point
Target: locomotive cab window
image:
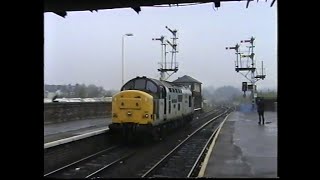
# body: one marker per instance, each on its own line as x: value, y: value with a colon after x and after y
x: 128, y: 86
x: 151, y: 87
x: 143, y: 85
x: 140, y: 84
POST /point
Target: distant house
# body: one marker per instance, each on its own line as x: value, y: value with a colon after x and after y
x: 195, y: 87
x: 62, y: 90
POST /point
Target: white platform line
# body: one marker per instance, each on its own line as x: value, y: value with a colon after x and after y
x: 205, y: 162
x: 74, y: 138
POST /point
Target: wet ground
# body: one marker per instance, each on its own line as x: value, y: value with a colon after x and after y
x: 53, y: 132
x: 244, y: 148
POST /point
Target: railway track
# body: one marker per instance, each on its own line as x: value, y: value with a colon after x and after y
x: 106, y: 161
x: 206, y: 116
x: 91, y: 166
x: 183, y: 160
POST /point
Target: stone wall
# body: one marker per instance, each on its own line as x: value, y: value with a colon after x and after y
x: 68, y: 111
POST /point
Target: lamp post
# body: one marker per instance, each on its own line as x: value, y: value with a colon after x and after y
x: 128, y: 34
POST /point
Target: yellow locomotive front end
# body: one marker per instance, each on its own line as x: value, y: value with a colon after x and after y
x: 132, y: 110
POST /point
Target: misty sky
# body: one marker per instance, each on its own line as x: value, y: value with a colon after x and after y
x: 86, y: 47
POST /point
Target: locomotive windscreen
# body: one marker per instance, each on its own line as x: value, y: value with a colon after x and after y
x: 141, y: 84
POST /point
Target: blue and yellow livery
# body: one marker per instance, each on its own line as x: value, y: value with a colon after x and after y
x: 149, y: 105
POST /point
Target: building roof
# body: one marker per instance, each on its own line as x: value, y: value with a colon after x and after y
x: 186, y: 79
x: 61, y: 6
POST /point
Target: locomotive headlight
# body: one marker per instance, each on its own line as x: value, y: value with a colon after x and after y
x: 146, y: 115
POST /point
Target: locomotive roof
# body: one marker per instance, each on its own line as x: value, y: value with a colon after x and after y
x: 165, y: 83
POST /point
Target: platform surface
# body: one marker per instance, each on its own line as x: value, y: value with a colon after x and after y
x: 53, y: 132
x: 244, y: 148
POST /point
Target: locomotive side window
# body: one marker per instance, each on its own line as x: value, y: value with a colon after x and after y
x: 163, y: 92
x: 169, y: 107
x: 164, y: 96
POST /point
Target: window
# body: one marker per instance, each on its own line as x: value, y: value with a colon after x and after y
x: 128, y: 86
x: 190, y: 102
x: 140, y: 84
x: 169, y: 107
x: 163, y: 92
x: 196, y: 87
x: 152, y: 87
x: 179, y: 98
x: 179, y: 107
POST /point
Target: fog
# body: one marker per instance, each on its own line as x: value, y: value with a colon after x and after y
x: 85, y: 47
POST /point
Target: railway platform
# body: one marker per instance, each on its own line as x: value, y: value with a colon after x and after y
x: 57, y: 131
x: 53, y: 132
x: 243, y: 148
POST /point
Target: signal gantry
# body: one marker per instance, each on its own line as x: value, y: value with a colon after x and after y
x: 245, y: 64
x: 171, y: 66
